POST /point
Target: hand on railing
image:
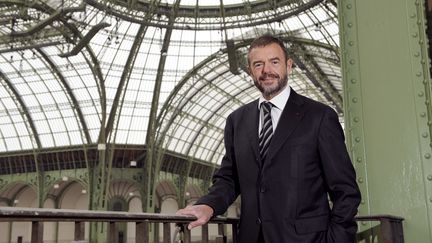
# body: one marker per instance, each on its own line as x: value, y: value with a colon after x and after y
x: 203, y: 213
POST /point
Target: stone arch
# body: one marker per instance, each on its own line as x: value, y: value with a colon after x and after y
x: 124, y: 195
x: 71, y: 194
x: 135, y: 206
x: 49, y: 228
x: 4, y: 226
x: 11, y: 193
x: 166, y: 200
x: 118, y: 204
x: 192, y: 193
x: 21, y: 194
x: 165, y: 189
x: 125, y: 189
x: 58, y: 190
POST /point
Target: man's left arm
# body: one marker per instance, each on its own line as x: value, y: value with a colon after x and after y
x: 339, y: 174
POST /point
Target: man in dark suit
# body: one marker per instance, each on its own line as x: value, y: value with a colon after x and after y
x: 285, y: 155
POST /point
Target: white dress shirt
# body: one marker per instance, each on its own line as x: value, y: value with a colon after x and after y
x: 279, y: 102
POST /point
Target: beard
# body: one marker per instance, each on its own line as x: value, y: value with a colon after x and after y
x: 270, y: 91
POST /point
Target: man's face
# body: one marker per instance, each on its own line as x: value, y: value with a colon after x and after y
x: 269, y: 69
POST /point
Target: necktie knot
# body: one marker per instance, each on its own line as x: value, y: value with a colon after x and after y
x: 266, y: 106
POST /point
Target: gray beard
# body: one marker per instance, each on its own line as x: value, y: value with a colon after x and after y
x: 269, y: 92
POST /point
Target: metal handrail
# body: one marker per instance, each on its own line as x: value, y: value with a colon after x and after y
x: 389, y: 229
x: 142, y: 220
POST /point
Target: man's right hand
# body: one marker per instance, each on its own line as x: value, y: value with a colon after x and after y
x: 202, y: 212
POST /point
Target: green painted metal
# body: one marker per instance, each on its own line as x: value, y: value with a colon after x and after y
x: 387, y: 109
x: 132, y: 175
x: 104, y: 173
x: 152, y: 165
x: 72, y: 97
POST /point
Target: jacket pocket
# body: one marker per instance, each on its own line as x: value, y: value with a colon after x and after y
x: 311, y: 224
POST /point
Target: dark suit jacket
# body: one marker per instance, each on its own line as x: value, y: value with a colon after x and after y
x: 287, y: 194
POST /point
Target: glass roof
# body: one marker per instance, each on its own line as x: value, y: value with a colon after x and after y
x: 74, y: 71
x: 205, y: 2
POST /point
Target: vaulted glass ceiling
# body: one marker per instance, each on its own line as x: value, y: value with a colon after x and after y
x: 91, y: 72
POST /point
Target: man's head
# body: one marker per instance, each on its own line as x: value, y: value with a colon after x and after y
x: 269, y: 65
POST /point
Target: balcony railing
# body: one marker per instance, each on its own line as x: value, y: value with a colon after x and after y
x: 388, y: 229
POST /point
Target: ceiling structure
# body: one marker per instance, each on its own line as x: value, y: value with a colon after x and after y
x: 87, y: 72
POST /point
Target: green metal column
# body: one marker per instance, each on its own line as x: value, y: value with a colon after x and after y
x: 387, y: 109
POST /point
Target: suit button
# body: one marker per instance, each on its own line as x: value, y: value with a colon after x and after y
x: 258, y: 221
x: 262, y: 189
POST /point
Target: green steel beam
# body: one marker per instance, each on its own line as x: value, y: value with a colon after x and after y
x: 152, y: 166
x: 7, y: 180
x: 122, y: 10
x: 387, y: 95
x: 114, y: 114
x: 16, y: 97
x: 102, y: 177
x: 184, y: 179
x: 178, y: 112
x: 41, y: 24
x: 65, y: 30
x: 39, y: 181
x: 316, y: 76
x: 76, y: 106
x: 85, y: 40
x: 207, y: 11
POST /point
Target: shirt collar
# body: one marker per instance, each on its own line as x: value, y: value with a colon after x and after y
x: 280, y: 100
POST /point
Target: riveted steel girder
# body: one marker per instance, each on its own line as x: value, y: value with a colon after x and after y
x: 122, y: 10
x: 68, y: 90
x: 152, y: 166
x: 388, y: 118
x: 25, y: 113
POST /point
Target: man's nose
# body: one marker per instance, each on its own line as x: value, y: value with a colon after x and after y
x: 266, y: 69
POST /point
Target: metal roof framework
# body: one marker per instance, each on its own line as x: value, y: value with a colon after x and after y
x: 81, y: 73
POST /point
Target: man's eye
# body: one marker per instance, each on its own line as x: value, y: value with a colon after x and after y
x: 258, y: 65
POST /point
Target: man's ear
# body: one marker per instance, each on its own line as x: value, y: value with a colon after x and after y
x: 289, y: 63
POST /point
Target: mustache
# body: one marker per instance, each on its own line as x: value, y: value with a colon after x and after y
x: 268, y: 75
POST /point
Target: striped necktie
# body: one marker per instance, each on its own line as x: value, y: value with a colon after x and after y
x: 266, y: 133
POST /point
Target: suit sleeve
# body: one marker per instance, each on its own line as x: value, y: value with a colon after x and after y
x: 225, y: 188
x: 340, y: 178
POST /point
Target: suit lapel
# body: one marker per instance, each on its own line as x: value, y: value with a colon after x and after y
x: 289, y: 120
x: 252, y: 128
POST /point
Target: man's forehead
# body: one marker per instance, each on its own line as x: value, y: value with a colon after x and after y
x: 263, y: 58
x: 272, y: 51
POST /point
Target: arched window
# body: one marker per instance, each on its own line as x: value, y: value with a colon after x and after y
x: 120, y: 205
